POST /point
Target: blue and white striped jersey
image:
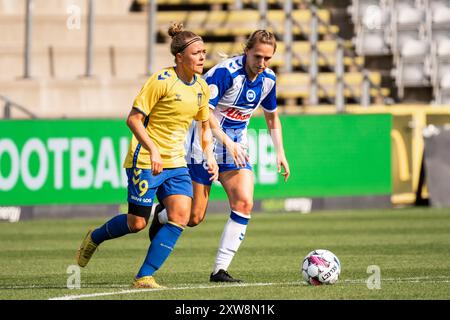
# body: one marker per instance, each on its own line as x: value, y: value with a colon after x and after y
x: 233, y: 100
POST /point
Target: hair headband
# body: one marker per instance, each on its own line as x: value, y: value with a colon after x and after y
x: 189, y: 43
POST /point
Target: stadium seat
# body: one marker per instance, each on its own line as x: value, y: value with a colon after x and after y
x: 292, y: 85
x: 301, y: 53
x: 352, y: 84
x: 441, y: 15
x: 218, y: 23
x: 375, y: 17
x: 371, y: 43
x: 443, y: 49
x: 302, y: 22
x: 223, y: 23
x: 234, y: 24
x: 444, y: 94
x: 188, y: 2
x: 273, y: 1
x: 441, y: 71
x: 402, y: 4
x: 414, y: 48
x: 439, y: 28
x: 408, y: 24
x: 371, y: 20
x: 436, y: 4
x: 359, y: 8
x: 407, y: 16
x: 413, y: 65
x: 327, y: 54
x: 210, y: 2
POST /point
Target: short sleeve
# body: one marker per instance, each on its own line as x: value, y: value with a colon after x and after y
x: 219, y: 80
x: 269, y: 103
x: 153, y: 90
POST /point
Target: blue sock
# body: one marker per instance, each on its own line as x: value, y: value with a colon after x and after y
x: 114, y: 228
x: 161, y: 247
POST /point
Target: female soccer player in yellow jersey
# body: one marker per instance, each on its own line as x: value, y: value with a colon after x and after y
x: 238, y: 86
x: 161, y: 115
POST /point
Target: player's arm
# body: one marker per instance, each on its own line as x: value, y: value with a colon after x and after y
x: 238, y: 152
x: 207, y: 146
x: 135, y: 122
x: 219, y: 81
x: 274, y: 125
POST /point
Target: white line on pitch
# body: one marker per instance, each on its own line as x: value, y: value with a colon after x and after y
x: 443, y: 279
x: 100, y: 294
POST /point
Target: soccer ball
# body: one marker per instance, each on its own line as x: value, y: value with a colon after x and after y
x: 321, y: 267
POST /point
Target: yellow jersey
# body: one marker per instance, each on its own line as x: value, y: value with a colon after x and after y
x: 169, y: 105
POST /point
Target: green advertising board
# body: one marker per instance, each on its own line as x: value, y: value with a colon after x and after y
x: 80, y: 161
x: 62, y: 162
x: 329, y: 156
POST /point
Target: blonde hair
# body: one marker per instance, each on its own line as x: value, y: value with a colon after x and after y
x: 261, y: 36
x: 181, y: 38
x: 258, y: 36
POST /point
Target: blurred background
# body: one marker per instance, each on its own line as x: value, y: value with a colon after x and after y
x: 363, y: 92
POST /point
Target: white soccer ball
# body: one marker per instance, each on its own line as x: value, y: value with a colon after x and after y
x: 321, y: 267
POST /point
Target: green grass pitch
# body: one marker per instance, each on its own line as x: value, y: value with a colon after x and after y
x: 410, y: 246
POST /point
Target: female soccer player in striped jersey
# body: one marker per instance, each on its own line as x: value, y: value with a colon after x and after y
x: 161, y: 115
x: 238, y: 86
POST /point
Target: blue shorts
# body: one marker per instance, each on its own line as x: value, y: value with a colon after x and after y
x: 199, y: 171
x: 143, y: 186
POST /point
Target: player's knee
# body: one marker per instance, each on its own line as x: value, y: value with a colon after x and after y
x: 248, y: 207
x: 195, y: 220
x: 179, y: 220
x: 244, y: 206
x: 197, y: 215
x: 137, y: 225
